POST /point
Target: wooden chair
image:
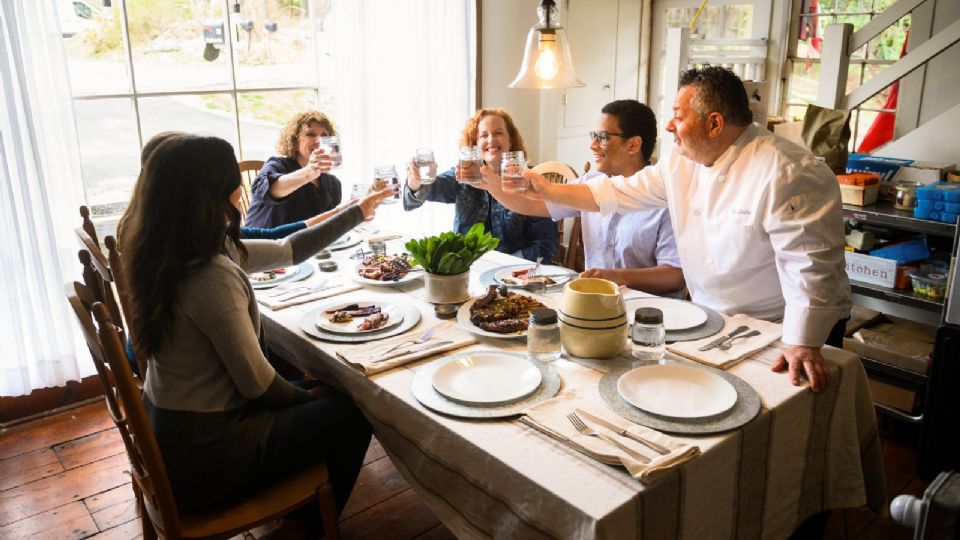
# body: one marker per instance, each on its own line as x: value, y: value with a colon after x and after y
x: 248, y: 172
x: 158, y: 510
x: 561, y: 173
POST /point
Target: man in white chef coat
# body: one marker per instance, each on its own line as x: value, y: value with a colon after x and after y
x: 757, y: 218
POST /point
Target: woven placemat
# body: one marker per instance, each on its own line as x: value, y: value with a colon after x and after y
x: 746, y: 408
x: 422, y: 388
x: 411, y: 316
x: 714, y: 324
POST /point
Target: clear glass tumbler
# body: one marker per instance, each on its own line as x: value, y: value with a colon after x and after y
x: 470, y: 163
x: 426, y: 165
x: 512, y: 167
x: 382, y: 176
x: 331, y: 145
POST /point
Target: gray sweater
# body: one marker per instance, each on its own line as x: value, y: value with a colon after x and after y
x: 210, y: 392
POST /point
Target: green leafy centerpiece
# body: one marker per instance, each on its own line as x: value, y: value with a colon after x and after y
x: 446, y: 261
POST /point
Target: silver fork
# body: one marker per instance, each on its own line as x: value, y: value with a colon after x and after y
x: 289, y: 290
x: 536, y: 269
x: 303, y: 291
x: 725, y: 346
x: 587, y: 430
x: 424, y: 337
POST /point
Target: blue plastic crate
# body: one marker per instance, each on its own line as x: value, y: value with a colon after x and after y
x: 935, y: 215
x: 940, y: 191
x: 904, y: 252
x: 938, y: 206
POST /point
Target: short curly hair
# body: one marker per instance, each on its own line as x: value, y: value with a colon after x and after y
x: 287, y: 144
x: 472, y: 127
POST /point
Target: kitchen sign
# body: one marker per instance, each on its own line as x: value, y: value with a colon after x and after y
x: 875, y: 270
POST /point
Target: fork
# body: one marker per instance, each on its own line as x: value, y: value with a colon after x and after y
x: 725, y: 346
x: 587, y: 430
x: 424, y: 337
x: 536, y: 269
x: 302, y: 291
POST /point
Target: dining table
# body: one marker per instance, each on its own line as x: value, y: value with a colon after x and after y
x: 802, y: 453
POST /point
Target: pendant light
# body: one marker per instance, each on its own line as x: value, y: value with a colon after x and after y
x: 546, y: 58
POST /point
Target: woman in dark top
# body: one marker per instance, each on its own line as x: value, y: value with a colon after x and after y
x: 295, y: 185
x: 495, y: 133
x: 225, y: 421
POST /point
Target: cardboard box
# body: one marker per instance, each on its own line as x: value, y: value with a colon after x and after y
x: 758, y: 95
x: 875, y: 270
x: 892, y: 395
x: 859, y: 195
x: 899, y: 342
x: 925, y: 172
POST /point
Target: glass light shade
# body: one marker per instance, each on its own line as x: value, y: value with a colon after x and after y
x: 546, y: 57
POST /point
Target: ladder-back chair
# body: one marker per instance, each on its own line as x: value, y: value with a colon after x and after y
x: 158, y: 510
x: 561, y: 173
x: 248, y: 172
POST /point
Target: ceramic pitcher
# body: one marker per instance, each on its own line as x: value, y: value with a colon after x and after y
x: 593, y: 318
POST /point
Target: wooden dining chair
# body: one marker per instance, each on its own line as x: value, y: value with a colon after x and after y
x: 248, y: 172
x: 561, y: 173
x: 159, y: 515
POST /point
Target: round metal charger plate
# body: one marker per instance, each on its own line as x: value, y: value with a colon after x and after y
x: 411, y: 316
x: 422, y: 388
x: 304, y: 270
x: 713, y: 325
x: 746, y: 408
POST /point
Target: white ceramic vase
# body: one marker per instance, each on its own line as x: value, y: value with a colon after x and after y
x: 593, y: 318
x: 444, y: 289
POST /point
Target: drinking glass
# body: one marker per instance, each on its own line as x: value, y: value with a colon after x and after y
x: 331, y: 146
x: 470, y: 164
x: 426, y: 165
x: 512, y: 167
x: 383, y: 175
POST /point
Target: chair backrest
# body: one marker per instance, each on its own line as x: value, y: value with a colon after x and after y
x: 560, y: 173
x: 122, y: 284
x: 99, y: 280
x: 126, y: 409
x: 248, y: 172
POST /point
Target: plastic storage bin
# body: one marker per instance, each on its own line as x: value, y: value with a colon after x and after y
x: 935, y: 215
x: 939, y: 206
x: 930, y: 281
x: 940, y: 191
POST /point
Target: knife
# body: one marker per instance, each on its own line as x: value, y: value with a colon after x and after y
x: 298, y: 294
x: 721, y: 339
x: 404, y: 352
x: 623, y: 432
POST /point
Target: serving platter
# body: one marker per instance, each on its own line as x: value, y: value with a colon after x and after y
x: 677, y: 391
x: 463, y: 317
x: 486, y: 378
x: 394, y: 317
x: 290, y: 273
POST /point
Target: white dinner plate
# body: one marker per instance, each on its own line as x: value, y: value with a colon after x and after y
x: 486, y: 378
x: 261, y: 279
x: 677, y: 314
x: 505, y: 275
x: 677, y: 391
x: 351, y: 327
x: 416, y: 273
x: 463, y: 317
x: 345, y: 241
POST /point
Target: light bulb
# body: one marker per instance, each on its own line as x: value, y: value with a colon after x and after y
x: 547, y: 66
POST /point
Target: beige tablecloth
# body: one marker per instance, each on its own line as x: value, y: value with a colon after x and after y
x: 502, y: 479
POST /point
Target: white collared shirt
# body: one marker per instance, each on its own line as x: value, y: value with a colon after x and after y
x: 759, y: 232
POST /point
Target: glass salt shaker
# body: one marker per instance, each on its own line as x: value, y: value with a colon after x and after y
x: 543, y: 335
x: 648, y: 334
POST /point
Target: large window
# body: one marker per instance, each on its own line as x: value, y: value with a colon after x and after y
x: 803, y: 62
x: 236, y: 69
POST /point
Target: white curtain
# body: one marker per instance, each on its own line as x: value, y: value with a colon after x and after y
x: 40, y: 191
x: 404, y: 79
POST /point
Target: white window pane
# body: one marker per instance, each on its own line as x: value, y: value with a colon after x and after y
x: 208, y: 114
x: 94, y: 47
x: 274, y: 47
x: 109, y: 149
x: 263, y: 115
x: 179, y: 45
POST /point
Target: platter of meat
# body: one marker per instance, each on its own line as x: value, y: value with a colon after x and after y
x: 386, y: 270
x: 494, y: 315
x: 359, y: 317
x: 549, y: 275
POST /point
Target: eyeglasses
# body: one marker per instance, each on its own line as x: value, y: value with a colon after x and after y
x: 603, y: 136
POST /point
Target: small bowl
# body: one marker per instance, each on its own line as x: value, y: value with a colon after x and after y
x: 327, y: 266
x: 446, y: 311
x: 322, y: 254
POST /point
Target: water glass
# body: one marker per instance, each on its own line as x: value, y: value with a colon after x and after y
x: 384, y: 175
x: 470, y: 163
x: 512, y: 167
x: 360, y: 190
x: 426, y: 165
x: 331, y: 145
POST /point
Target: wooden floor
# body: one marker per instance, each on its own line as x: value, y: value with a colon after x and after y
x: 66, y: 476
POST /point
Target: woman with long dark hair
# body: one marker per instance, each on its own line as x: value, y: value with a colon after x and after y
x: 225, y: 421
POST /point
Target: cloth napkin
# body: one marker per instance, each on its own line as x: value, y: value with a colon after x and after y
x: 550, y: 418
x: 358, y: 356
x: 742, y: 348
x: 281, y: 301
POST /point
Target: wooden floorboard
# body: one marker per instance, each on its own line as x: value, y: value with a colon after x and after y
x: 67, y: 477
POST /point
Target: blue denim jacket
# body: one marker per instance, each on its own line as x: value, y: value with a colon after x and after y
x: 532, y: 236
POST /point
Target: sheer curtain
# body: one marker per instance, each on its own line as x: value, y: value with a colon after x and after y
x: 40, y: 191
x: 405, y: 79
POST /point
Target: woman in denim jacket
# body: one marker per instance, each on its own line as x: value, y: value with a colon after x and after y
x: 495, y: 133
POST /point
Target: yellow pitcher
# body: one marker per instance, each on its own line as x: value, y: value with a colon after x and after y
x: 593, y: 318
